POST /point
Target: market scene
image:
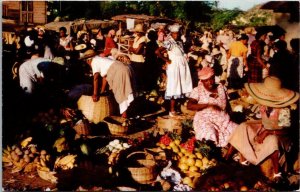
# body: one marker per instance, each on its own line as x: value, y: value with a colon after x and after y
x: 150, y: 96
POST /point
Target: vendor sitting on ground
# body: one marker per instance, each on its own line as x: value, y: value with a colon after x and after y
x: 257, y: 140
x: 211, y: 122
x: 117, y: 73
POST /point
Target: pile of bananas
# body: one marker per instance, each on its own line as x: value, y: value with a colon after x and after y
x: 26, y: 157
x: 60, y: 144
x: 65, y: 162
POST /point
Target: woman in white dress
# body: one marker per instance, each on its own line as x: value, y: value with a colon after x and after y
x: 179, y: 80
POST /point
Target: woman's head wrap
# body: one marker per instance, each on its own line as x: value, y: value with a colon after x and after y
x: 205, y: 73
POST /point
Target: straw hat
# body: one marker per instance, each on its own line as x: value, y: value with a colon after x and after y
x: 87, y: 54
x: 174, y: 28
x: 80, y: 47
x: 58, y: 60
x: 139, y: 28
x: 79, y: 33
x: 271, y: 94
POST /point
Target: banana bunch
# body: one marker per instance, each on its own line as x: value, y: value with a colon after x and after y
x: 46, y: 174
x: 66, y: 162
x: 60, y: 144
x: 113, y: 158
x: 24, y: 157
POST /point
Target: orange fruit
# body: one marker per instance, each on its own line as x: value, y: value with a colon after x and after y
x: 183, y: 167
x: 199, y: 155
x: 191, y: 161
x: 193, y: 169
x: 188, y: 181
x: 198, y: 163
x: 177, y: 141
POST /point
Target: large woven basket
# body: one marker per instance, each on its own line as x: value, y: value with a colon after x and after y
x: 146, y: 172
x: 96, y: 111
x: 115, y: 125
x: 82, y: 127
x: 169, y: 124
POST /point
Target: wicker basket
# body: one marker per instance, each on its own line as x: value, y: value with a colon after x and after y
x: 82, y: 127
x: 115, y: 125
x: 146, y: 173
x: 96, y: 111
x: 169, y: 124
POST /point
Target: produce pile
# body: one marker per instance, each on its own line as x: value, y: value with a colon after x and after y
x: 71, y: 153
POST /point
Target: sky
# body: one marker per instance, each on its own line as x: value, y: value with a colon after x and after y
x: 241, y: 4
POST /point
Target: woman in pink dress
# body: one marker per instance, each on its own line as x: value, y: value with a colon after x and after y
x: 211, y: 122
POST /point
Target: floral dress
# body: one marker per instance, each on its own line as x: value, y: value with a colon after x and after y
x: 179, y: 80
x: 209, y: 123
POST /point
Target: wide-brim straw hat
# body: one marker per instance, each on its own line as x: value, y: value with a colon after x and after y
x: 139, y: 28
x: 59, y: 60
x: 271, y: 94
x: 80, y: 47
x: 88, y: 54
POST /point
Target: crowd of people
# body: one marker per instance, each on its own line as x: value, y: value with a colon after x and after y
x: 222, y: 61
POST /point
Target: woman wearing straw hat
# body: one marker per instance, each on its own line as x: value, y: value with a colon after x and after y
x: 258, y: 140
x: 211, y: 122
x: 179, y: 80
x: 137, y: 56
x: 116, y: 73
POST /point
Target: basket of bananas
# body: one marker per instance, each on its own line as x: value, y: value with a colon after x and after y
x: 117, y: 125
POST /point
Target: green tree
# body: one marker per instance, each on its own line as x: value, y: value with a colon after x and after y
x: 223, y: 17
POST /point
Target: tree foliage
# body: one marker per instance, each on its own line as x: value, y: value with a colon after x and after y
x: 223, y: 17
x: 181, y: 10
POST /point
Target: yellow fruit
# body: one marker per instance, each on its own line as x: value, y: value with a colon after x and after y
x: 199, y: 155
x: 172, y: 144
x: 188, y: 181
x: 205, y: 161
x: 188, y: 153
x: 183, y: 167
x: 198, y: 163
x: 191, y: 161
x: 177, y: 141
x: 180, y: 154
x: 184, y: 159
x: 168, y: 147
x: 192, y: 156
x: 183, y: 150
x: 175, y: 149
x: 243, y: 188
x: 193, y: 169
x: 163, y: 146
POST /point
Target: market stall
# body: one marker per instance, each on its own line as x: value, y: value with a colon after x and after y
x: 74, y: 26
